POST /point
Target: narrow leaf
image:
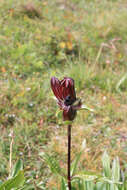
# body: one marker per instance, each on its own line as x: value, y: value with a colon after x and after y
x: 18, y: 166
x: 53, y: 164
x: 109, y: 181
x: 84, y: 107
x: 85, y: 177
x: 106, y: 165
x: 120, y: 82
x: 63, y: 184
x: 90, y: 185
x: 116, y: 169
x: 74, y: 165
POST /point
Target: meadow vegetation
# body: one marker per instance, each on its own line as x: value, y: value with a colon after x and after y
x: 83, y: 39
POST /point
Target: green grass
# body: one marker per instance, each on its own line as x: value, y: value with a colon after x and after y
x: 82, y: 39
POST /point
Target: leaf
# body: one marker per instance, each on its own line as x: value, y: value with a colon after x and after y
x: 84, y: 107
x: 113, y: 187
x: 120, y: 82
x: 14, y: 182
x: 86, y: 177
x: 81, y: 184
x: 63, y: 185
x: 110, y: 181
x: 28, y: 187
x: 53, y: 164
x: 75, y: 163
x: 77, y: 159
x: 18, y: 166
x: 106, y: 165
x: 59, y: 113
x: 116, y: 169
x: 90, y: 186
x: 68, y: 122
x: 101, y: 186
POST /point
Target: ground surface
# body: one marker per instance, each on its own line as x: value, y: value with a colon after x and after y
x: 86, y: 40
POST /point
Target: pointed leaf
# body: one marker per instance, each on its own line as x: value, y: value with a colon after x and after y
x: 53, y: 164
x: 14, y: 182
x: 101, y: 186
x: 84, y: 107
x: 63, y: 184
x: 106, y: 165
x: 113, y: 187
x: 90, y: 185
x: 107, y: 180
x: 18, y: 166
x: 75, y: 163
x: 120, y: 82
x: 86, y: 177
x: 116, y: 169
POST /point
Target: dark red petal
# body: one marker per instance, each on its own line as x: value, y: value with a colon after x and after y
x: 55, y: 85
x: 72, y: 88
x: 67, y: 87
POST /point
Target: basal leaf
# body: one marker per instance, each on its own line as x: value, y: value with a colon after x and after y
x: 14, y: 182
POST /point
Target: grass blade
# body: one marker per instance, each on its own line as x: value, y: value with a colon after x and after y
x: 106, y: 165
x: 116, y: 169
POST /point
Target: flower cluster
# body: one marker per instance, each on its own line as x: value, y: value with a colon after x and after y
x: 64, y: 91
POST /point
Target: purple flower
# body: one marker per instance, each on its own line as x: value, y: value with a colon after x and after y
x: 65, y: 93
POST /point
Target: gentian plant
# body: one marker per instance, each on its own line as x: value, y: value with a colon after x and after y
x: 64, y: 91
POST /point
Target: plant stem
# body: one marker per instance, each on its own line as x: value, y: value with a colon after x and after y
x: 69, y: 157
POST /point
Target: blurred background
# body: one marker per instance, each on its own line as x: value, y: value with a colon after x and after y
x: 82, y: 39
